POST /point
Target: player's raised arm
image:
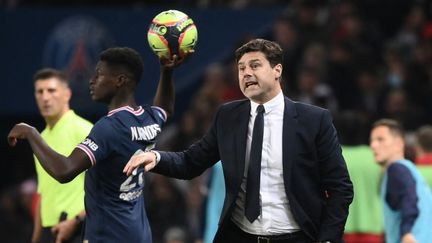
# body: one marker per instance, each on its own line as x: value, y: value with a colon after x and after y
x: 172, y: 36
x: 62, y: 168
x: 165, y: 94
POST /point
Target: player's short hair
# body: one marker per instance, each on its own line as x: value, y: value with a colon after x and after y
x: 271, y: 50
x: 124, y: 58
x: 424, y: 137
x: 47, y: 73
x: 393, y: 125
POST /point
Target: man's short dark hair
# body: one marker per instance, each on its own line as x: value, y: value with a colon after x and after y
x: 424, y: 138
x: 47, y: 73
x: 393, y: 125
x: 124, y: 58
x: 271, y: 50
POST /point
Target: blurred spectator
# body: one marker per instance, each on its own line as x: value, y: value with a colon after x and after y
x: 285, y: 33
x: 215, y: 199
x: 398, y: 107
x: 341, y: 75
x: 315, y: 56
x: 313, y: 91
x: 395, y: 70
x: 175, y: 235
x: 215, y: 83
x: 165, y: 206
x: 409, y: 33
x: 178, y: 136
x: 424, y: 145
x: 310, y: 26
x: 16, y: 224
x: 423, y: 148
x: 419, y: 76
x: 371, y: 92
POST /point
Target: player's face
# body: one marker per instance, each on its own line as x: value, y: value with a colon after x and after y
x: 257, y: 79
x: 103, y: 83
x: 52, y: 97
x: 386, y: 146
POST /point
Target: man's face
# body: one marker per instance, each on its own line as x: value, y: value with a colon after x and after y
x: 103, y: 83
x: 52, y: 97
x: 386, y: 146
x: 257, y: 79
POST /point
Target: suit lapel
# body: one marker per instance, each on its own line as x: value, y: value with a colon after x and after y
x: 242, y: 120
x: 288, y: 139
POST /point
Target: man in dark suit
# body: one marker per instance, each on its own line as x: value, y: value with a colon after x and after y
x: 285, y: 177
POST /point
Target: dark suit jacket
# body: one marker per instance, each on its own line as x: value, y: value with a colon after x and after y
x: 316, y: 179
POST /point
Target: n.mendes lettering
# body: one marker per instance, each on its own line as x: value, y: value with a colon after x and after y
x: 145, y: 133
x: 92, y: 145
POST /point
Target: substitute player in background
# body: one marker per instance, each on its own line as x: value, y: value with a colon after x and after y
x: 406, y: 197
x: 64, y: 130
x: 114, y: 201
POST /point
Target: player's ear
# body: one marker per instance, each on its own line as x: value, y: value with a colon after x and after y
x: 121, y: 80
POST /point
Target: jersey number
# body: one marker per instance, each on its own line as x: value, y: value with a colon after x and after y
x: 128, y: 184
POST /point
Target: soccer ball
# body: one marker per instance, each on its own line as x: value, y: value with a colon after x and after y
x: 172, y: 32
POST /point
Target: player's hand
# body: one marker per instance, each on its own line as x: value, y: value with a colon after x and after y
x: 408, y: 238
x: 147, y: 159
x: 175, y: 60
x: 64, y: 230
x: 19, y: 131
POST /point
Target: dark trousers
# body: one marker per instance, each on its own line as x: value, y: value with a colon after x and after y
x: 48, y: 237
x: 231, y: 233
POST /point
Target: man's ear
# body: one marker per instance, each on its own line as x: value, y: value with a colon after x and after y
x: 278, y: 71
x: 121, y: 80
x: 68, y: 94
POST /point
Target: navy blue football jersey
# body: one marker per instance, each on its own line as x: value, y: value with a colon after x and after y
x: 114, y: 202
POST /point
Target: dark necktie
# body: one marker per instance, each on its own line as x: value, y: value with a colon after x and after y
x: 252, y: 204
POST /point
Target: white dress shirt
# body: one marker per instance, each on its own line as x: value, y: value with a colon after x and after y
x: 276, y: 217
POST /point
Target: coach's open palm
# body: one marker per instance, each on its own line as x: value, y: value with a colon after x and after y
x: 147, y: 159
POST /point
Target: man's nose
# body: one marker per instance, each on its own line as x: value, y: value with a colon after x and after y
x: 45, y: 95
x: 248, y: 71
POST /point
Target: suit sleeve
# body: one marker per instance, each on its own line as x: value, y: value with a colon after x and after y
x: 193, y: 161
x: 335, y: 182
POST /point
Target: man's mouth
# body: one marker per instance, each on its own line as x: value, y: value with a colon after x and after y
x: 250, y: 83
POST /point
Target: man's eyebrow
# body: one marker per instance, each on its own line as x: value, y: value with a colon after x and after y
x: 251, y: 61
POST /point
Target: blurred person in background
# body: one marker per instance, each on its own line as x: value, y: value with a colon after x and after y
x: 399, y: 107
x: 423, y: 152
x: 64, y: 130
x: 365, y: 219
x: 424, y: 145
x: 215, y: 199
x: 406, y: 197
x: 166, y: 206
